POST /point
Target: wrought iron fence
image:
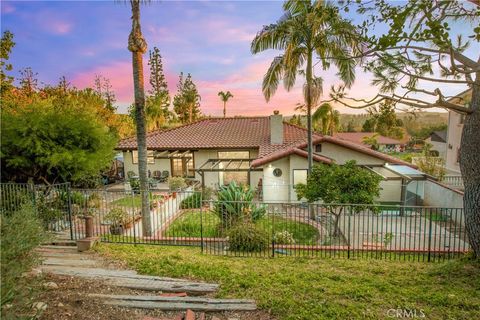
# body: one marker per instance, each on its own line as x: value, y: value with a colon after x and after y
x: 351, y: 231
x: 246, y: 228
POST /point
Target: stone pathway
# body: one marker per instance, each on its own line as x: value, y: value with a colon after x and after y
x: 148, y: 292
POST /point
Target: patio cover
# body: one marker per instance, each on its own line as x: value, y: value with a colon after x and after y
x: 226, y: 165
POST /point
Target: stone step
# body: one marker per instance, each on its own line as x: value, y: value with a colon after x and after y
x: 70, y: 262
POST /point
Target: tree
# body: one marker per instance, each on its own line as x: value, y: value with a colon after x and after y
x: 337, y: 185
x: 420, y: 51
x: 307, y: 28
x: 159, y: 100
x: 296, y: 120
x: 372, y: 141
x: 430, y: 164
x: 326, y: 119
x: 384, y: 121
x: 224, y: 96
x: 186, y: 102
x: 103, y: 87
x: 138, y: 46
x: 6, y: 46
x: 52, y: 143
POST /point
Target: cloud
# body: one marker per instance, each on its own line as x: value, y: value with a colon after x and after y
x: 7, y: 8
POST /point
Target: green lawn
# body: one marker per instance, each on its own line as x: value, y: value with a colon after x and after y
x: 133, y: 201
x: 188, y: 225
x: 312, y: 288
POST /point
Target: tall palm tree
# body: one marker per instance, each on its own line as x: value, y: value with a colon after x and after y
x: 224, y: 96
x: 328, y: 117
x: 138, y: 46
x: 307, y: 28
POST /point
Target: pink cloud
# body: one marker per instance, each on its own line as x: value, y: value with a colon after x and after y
x: 7, y: 8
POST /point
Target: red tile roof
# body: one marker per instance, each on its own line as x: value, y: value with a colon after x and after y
x: 243, y: 132
x: 357, y: 137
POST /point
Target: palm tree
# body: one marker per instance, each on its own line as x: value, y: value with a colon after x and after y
x: 305, y: 29
x: 328, y: 117
x: 138, y: 46
x: 224, y: 96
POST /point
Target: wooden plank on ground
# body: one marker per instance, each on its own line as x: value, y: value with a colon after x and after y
x: 176, y: 306
x: 107, y: 273
x: 69, y: 262
x: 171, y: 299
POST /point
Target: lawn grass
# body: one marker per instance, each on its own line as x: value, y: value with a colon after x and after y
x: 133, y: 201
x: 188, y: 225
x: 313, y: 288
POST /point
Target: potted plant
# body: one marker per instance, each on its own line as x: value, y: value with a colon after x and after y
x: 118, y: 219
x: 175, y: 184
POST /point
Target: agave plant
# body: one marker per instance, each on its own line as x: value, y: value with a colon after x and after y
x: 235, y: 203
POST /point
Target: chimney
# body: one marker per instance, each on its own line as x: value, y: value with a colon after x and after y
x: 276, y: 128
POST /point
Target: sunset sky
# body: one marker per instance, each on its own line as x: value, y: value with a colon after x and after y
x: 210, y: 40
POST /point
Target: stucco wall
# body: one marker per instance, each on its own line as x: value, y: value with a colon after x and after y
x: 159, y: 165
x: 454, y: 136
x: 438, y: 195
x: 341, y: 155
x: 276, y: 189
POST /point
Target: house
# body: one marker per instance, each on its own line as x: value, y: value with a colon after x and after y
x: 454, y: 132
x: 384, y: 143
x: 264, y: 152
x: 438, y: 140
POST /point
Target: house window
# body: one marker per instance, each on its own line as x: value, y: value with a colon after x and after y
x: 183, y: 167
x: 150, y: 157
x: 318, y: 148
x: 299, y: 176
x: 240, y: 177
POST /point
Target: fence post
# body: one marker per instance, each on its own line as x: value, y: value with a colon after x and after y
x: 133, y: 218
x: 349, y: 231
x: 273, y: 234
x: 201, y: 221
x: 429, y: 235
x: 69, y: 210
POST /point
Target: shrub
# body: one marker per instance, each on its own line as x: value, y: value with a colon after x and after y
x: 117, y: 217
x: 247, y: 237
x: 176, y: 183
x: 21, y: 232
x: 192, y: 201
x: 283, y: 237
x: 235, y: 202
x: 207, y: 193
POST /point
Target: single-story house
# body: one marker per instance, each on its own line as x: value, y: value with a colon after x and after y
x: 264, y: 152
x: 384, y: 143
x: 438, y: 140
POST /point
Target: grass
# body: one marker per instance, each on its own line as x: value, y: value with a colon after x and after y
x: 188, y: 225
x: 133, y: 201
x: 312, y: 288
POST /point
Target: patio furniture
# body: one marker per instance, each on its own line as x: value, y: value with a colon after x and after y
x: 157, y: 174
x: 164, y: 176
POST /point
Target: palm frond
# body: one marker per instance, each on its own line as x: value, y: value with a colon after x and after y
x: 272, y: 77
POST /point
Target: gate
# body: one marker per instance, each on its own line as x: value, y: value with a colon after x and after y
x: 52, y: 204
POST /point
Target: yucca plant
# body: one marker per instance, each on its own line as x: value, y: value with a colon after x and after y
x: 235, y: 203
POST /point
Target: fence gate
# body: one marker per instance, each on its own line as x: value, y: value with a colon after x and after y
x: 52, y: 204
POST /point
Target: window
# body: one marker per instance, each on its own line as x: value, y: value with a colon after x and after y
x: 183, y: 167
x: 240, y: 177
x: 299, y: 176
x: 150, y: 156
x: 318, y: 148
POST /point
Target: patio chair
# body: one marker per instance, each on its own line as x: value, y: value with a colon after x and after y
x: 164, y: 176
x: 157, y: 175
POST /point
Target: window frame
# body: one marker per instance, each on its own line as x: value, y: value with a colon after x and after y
x: 150, y: 158
x: 185, y: 171
x: 293, y: 176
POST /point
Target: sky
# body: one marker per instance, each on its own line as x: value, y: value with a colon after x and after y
x: 209, y: 39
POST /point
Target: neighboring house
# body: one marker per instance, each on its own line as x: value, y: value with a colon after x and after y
x: 438, y: 140
x: 384, y: 143
x: 260, y: 151
x: 454, y: 132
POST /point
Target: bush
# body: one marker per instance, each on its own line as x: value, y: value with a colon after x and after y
x: 134, y: 184
x: 117, y: 217
x: 283, y: 237
x: 191, y: 202
x: 21, y: 232
x: 235, y: 203
x: 248, y: 238
x: 207, y: 193
x: 176, y: 183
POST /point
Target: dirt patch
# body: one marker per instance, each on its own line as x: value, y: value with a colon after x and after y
x: 71, y: 301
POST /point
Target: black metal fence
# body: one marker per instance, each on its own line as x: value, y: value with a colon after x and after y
x: 246, y: 228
